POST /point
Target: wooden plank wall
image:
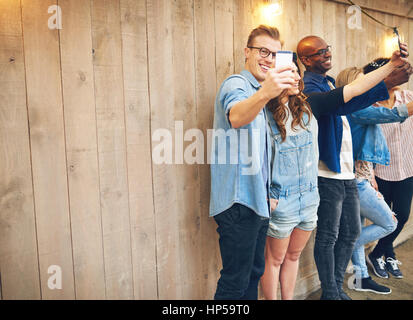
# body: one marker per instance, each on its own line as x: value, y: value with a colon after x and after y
x: 78, y: 109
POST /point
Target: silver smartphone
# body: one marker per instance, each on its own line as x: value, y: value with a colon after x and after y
x: 283, y: 58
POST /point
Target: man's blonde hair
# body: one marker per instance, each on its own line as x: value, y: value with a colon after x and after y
x: 264, y: 30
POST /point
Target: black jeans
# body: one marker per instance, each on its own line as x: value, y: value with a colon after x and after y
x: 242, y: 236
x: 338, y: 228
x: 398, y: 195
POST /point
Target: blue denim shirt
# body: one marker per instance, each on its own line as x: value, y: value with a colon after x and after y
x: 239, y: 157
x: 330, y: 132
x: 369, y: 143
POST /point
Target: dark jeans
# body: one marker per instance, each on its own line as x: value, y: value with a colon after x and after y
x: 338, y: 228
x: 242, y: 236
x: 398, y: 195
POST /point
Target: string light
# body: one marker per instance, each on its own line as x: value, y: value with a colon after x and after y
x: 273, y: 8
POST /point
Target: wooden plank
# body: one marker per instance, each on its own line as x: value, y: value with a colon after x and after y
x: 176, y: 186
x: 187, y: 182
x: 371, y: 46
x: 329, y: 14
x: 81, y: 146
x: 317, y: 20
x: 355, y: 45
x: 340, y: 58
x: 242, y: 27
x: 106, y: 39
x: 224, y: 41
x: 159, y: 30
x: 290, y: 34
x: 138, y: 136
x: 46, y: 120
x: 19, y: 275
x: 380, y: 36
x: 205, y: 98
x: 304, y: 19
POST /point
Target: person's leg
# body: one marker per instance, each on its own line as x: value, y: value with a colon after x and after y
x: 386, y: 189
x: 349, y: 231
x: 358, y: 257
x: 259, y: 263
x: 402, y: 201
x: 239, y: 229
x: 289, y: 268
x: 374, y: 208
x: 275, y: 251
x: 329, y: 213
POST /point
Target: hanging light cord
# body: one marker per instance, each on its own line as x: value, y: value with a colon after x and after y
x: 395, y: 31
x: 373, y: 18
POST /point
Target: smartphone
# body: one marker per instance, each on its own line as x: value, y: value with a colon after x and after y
x: 398, y: 40
x: 283, y: 58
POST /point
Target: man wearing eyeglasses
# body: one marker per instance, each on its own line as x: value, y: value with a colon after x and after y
x: 239, y: 202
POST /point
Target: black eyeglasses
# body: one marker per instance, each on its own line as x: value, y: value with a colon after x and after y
x: 264, y: 52
x: 321, y: 52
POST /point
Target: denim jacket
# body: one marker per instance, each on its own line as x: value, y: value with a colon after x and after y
x: 239, y: 157
x: 369, y: 143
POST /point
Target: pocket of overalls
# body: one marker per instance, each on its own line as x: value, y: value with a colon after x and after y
x: 288, y: 159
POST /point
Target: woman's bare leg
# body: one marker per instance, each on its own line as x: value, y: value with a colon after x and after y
x: 275, y: 250
x: 289, y: 268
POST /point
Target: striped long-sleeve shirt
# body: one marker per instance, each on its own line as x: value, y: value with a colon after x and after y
x: 399, y: 137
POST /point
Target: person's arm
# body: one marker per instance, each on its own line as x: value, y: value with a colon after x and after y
x: 368, y: 81
x: 378, y: 115
x: 276, y: 81
x: 323, y: 103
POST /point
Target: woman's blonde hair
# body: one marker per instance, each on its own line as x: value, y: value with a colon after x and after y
x: 347, y: 76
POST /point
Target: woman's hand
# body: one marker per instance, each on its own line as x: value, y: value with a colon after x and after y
x: 273, y: 204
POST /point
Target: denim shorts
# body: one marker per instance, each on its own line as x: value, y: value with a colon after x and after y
x: 294, y: 211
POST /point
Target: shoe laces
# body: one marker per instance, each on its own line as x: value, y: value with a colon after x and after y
x: 381, y: 263
x: 394, y: 263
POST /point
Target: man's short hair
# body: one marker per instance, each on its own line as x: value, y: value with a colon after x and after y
x: 264, y: 30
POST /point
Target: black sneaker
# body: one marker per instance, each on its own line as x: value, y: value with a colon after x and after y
x: 392, y: 267
x: 368, y: 284
x: 378, y: 265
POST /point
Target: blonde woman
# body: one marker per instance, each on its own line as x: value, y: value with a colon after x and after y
x: 370, y: 148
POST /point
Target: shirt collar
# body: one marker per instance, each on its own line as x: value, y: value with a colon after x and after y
x: 318, y: 77
x: 254, y: 82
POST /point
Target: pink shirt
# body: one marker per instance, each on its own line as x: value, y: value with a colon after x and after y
x: 399, y: 137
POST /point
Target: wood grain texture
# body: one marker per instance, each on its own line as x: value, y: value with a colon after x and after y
x: 79, y: 110
x: 138, y: 139
x: 110, y: 116
x: 82, y: 149
x: 19, y: 266
x: 161, y: 84
x: 48, y: 147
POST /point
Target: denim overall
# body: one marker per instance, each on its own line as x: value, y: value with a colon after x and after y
x: 293, y: 180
